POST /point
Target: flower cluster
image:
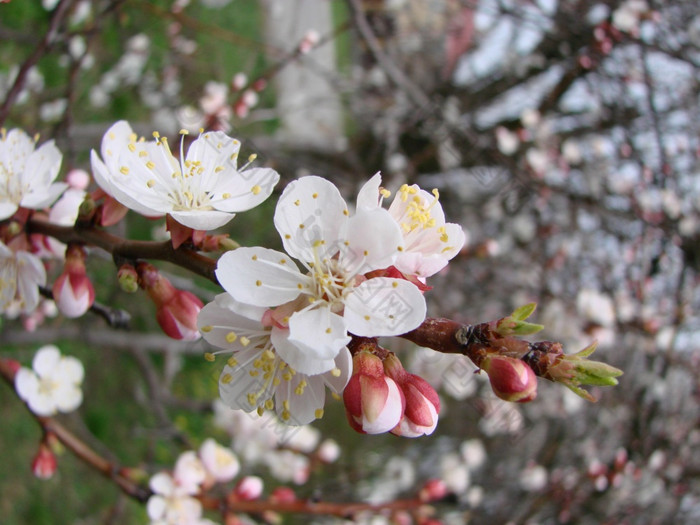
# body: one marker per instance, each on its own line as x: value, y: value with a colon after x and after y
x: 173, y: 499
x: 287, y: 329
x: 52, y: 384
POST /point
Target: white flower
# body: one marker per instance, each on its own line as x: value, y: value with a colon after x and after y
x: 21, y: 274
x: 255, y: 377
x: 172, y: 502
x: 26, y: 174
x: 428, y: 241
x: 220, y: 462
x: 333, y: 297
x: 53, y: 384
x: 202, y: 190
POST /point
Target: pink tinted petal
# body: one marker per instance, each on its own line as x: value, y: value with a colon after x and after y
x: 296, y: 356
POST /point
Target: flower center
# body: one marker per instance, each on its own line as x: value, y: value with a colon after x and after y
x: 417, y: 212
x: 47, y: 386
x: 330, y: 282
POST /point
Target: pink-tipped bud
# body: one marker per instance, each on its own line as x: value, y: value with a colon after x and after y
x: 241, y: 109
x: 44, y: 463
x: 283, y: 495
x: 420, y: 415
x: 72, y: 291
x: 239, y: 81
x: 177, y: 310
x: 433, y: 490
x: 78, y: 179
x: 511, y: 379
x: 373, y: 402
x: 128, y: 278
x: 309, y: 41
x: 328, y: 451
x: 249, y: 488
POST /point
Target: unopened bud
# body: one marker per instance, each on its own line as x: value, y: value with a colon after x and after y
x: 373, y: 402
x: 249, y: 488
x: 44, y: 463
x: 433, y: 490
x: 283, y: 495
x: 511, y: 379
x: 128, y: 278
x: 72, y: 291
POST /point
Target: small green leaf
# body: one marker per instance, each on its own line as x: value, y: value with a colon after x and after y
x: 523, y: 312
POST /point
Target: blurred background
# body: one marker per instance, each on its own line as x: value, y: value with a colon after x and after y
x: 563, y: 135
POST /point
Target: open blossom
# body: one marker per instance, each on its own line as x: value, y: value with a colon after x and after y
x: 27, y: 175
x: 21, y: 274
x: 220, y: 463
x: 428, y: 241
x: 332, y: 297
x: 172, y: 502
x: 202, y: 190
x: 255, y: 376
x: 53, y: 383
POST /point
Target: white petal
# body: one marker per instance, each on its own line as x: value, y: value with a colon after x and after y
x: 46, y: 360
x: 71, y: 370
x: 246, y: 189
x: 226, y: 329
x: 162, y: 484
x: 297, y: 357
x: 384, y: 307
x: 42, y: 165
x: 202, y: 220
x: 310, y: 211
x: 260, y: 276
x: 26, y: 383
x: 302, y: 407
x: 7, y: 209
x: 368, y: 197
x: 416, y: 263
x: 343, y: 362
x: 156, y: 507
x: 319, y: 334
x: 114, y: 140
x: 374, y: 239
x: 255, y: 313
x: 68, y: 398
x: 42, y: 405
x: 235, y: 383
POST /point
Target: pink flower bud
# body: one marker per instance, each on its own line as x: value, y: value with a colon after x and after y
x: 433, y: 490
x: 309, y: 41
x: 239, y: 81
x: 420, y: 415
x: 373, y: 402
x: 44, y: 463
x: 241, y: 109
x: 283, y: 495
x: 72, y: 291
x: 78, y: 179
x: 177, y: 310
x: 249, y: 488
x: 511, y: 379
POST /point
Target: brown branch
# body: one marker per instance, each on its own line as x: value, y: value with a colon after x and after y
x: 44, y: 45
x: 121, y: 248
x: 79, y: 448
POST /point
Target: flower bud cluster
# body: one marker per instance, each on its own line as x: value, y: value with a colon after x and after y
x: 382, y: 397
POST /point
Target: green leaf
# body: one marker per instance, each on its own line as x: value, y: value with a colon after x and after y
x: 523, y: 312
